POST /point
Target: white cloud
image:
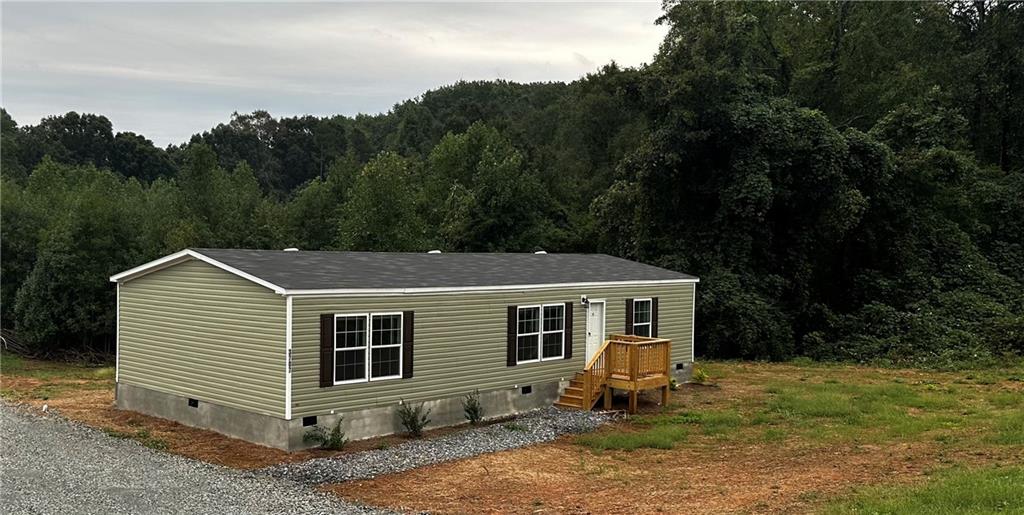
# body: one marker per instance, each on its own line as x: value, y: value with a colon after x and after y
x: 171, y: 70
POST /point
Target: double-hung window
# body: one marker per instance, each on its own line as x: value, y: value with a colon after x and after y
x: 540, y: 333
x: 642, y: 317
x: 367, y: 347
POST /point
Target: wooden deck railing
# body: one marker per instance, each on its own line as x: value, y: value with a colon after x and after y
x: 595, y: 376
x: 629, y: 362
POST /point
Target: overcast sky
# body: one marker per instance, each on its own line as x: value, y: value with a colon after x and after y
x: 170, y: 70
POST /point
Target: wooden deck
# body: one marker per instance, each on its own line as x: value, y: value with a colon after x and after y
x: 626, y: 362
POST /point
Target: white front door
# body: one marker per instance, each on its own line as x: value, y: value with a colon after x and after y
x: 595, y: 327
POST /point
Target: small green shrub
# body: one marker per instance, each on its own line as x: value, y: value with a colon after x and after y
x: 700, y: 376
x: 413, y: 418
x: 673, y: 384
x: 472, y: 408
x: 513, y: 426
x: 334, y: 439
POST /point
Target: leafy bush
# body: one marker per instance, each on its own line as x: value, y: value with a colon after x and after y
x: 334, y: 439
x: 413, y: 418
x: 700, y: 376
x: 472, y: 408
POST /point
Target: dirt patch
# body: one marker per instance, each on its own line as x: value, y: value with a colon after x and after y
x: 565, y: 478
x: 720, y: 469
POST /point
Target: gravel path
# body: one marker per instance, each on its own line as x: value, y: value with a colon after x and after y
x: 50, y: 465
x: 531, y: 428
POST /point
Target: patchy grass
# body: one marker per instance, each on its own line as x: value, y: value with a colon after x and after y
x: 657, y: 437
x: 764, y: 438
x: 13, y: 365
x: 142, y: 436
x: 992, y: 490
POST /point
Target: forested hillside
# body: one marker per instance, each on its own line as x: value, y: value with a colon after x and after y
x: 846, y: 178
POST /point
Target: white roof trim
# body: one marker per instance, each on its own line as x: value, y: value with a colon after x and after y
x: 186, y: 255
x: 189, y: 254
x: 482, y: 289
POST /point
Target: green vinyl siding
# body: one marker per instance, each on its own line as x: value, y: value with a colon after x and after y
x: 460, y: 342
x: 197, y: 331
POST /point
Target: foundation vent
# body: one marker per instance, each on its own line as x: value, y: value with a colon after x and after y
x: 309, y: 421
x: 193, y: 403
x: 527, y: 390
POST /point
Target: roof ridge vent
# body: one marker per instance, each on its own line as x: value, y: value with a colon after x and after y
x: 291, y: 249
x: 435, y: 251
x: 541, y: 252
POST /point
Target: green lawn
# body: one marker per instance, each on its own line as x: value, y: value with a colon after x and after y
x: 966, y: 492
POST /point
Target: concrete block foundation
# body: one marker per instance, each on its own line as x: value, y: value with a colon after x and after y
x: 366, y: 423
x: 682, y: 372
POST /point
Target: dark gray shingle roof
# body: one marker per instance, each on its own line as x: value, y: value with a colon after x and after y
x: 308, y: 270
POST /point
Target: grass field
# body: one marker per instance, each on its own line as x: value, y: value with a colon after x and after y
x: 761, y: 438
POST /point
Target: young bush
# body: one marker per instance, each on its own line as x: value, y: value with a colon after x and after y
x: 472, y: 408
x: 700, y: 376
x: 334, y: 439
x: 413, y: 418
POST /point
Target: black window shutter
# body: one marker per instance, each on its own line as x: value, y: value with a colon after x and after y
x: 629, y: 316
x: 568, y: 330
x: 510, y: 358
x: 654, y: 317
x: 326, y: 350
x: 407, y: 338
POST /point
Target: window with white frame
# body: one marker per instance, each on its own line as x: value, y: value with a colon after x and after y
x: 367, y: 347
x: 642, y: 317
x: 540, y: 333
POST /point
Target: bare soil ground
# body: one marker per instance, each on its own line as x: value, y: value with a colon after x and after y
x: 782, y: 466
x: 764, y: 438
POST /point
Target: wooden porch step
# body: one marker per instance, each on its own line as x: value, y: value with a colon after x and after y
x: 575, y: 391
x: 570, y: 403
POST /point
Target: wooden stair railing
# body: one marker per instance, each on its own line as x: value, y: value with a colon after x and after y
x: 586, y: 387
x: 626, y: 362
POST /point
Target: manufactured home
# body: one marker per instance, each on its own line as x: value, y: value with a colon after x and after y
x: 260, y: 344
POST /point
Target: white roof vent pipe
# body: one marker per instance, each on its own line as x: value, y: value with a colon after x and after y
x: 541, y: 252
x: 291, y: 249
x: 435, y: 251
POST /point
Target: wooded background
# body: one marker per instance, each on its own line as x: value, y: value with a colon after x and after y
x: 846, y: 178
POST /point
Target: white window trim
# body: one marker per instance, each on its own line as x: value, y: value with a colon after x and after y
x: 540, y: 333
x: 650, y: 322
x: 540, y: 328
x: 399, y: 345
x: 367, y: 348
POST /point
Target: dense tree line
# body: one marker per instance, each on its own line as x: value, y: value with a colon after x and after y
x: 846, y: 178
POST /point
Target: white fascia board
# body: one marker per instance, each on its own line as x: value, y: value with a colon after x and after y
x: 482, y: 289
x: 185, y: 255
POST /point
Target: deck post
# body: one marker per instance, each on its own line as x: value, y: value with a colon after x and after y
x: 608, y: 397
x: 632, y: 401
x: 664, y: 396
x: 587, y: 377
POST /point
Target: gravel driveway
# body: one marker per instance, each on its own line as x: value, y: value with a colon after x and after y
x: 49, y: 465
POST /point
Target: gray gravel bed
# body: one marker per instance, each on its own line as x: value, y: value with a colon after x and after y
x: 531, y: 428
x: 51, y: 465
